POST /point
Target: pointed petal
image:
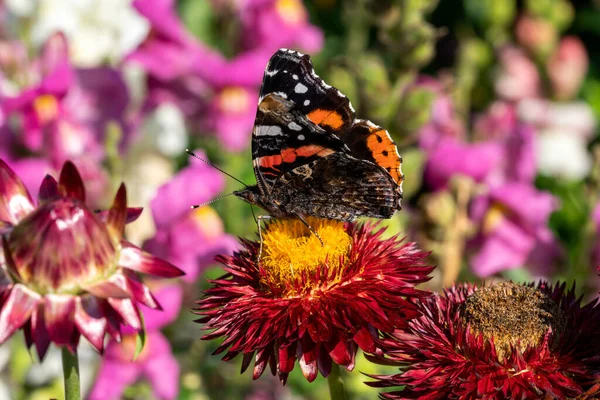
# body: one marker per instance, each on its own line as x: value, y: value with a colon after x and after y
x: 39, y: 332
x: 117, y: 215
x: 15, y: 201
x: 70, y: 183
x: 128, y: 311
x: 59, y: 315
x: 90, y: 321
x: 115, y: 286
x: 48, y: 189
x: 133, y: 213
x: 134, y: 258
x: 140, y: 292
x: 16, y: 310
x: 113, y: 321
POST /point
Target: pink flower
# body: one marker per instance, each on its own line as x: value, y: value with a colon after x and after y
x: 567, y: 67
x: 190, y: 238
x: 513, y: 221
x: 518, y: 77
x: 66, y: 270
x: 272, y: 24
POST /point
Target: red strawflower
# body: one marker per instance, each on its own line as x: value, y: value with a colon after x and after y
x: 311, y: 302
x: 65, y: 270
x: 506, y: 341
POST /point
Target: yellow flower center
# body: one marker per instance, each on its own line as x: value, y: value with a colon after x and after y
x: 494, y: 216
x: 234, y: 100
x: 46, y: 107
x: 291, y: 250
x: 291, y: 11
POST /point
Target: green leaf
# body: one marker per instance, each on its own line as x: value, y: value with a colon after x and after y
x: 140, y: 339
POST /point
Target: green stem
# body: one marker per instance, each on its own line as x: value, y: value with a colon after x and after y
x: 336, y: 384
x: 71, y: 375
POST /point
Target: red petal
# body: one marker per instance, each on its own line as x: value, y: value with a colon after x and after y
x: 15, y: 201
x: 16, y: 310
x: 365, y: 340
x: 340, y: 353
x: 128, y: 311
x: 48, y: 190
x: 117, y: 215
x: 39, y: 332
x: 287, y: 358
x: 134, y: 258
x: 70, y: 183
x: 59, y: 315
x: 90, y: 321
x: 324, y: 363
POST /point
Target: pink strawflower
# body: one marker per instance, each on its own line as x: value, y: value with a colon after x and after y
x: 66, y: 270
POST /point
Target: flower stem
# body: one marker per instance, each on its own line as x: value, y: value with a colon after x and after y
x: 336, y: 384
x: 71, y: 375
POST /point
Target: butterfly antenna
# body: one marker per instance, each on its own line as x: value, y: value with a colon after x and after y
x: 253, y: 215
x: 211, y: 201
x: 191, y: 153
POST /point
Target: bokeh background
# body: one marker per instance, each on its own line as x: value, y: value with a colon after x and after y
x: 493, y: 105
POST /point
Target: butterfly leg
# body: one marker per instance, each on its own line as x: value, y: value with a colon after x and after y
x: 259, y: 219
x: 311, y: 229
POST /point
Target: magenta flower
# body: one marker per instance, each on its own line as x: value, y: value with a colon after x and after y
x: 451, y: 157
x: 67, y: 271
x: 156, y: 362
x: 215, y: 94
x: 504, y: 153
x: 66, y: 114
x: 189, y: 238
x: 288, y: 18
x: 513, y: 222
x: 443, y: 123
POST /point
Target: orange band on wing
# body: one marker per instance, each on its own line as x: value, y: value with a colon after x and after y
x: 290, y: 155
x: 385, y: 153
x: 329, y: 118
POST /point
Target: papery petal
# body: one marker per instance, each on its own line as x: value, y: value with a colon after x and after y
x: 90, y: 321
x: 16, y: 310
x: 59, y: 313
x: 15, y: 201
x: 70, y: 183
x: 133, y: 213
x: 128, y: 311
x: 117, y: 215
x: 134, y: 258
x: 141, y: 293
x: 39, y: 331
x: 48, y: 189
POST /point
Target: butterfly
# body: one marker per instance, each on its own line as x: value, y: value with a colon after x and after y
x: 311, y: 156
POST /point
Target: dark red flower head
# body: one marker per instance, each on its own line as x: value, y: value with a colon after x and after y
x: 506, y: 341
x: 312, y: 303
x: 65, y: 270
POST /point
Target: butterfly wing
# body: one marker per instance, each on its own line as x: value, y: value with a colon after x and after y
x: 297, y: 119
x: 340, y: 187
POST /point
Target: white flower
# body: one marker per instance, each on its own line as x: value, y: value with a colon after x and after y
x: 98, y: 30
x: 165, y: 129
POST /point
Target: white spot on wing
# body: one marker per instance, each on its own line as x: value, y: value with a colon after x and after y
x: 294, y: 126
x: 268, y: 130
x: 271, y: 72
x: 300, y: 88
x: 306, y: 102
x: 300, y: 137
x: 295, y: 77
x: 281, y: 94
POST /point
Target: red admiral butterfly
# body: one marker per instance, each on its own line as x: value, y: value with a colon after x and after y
x: 311, y: 157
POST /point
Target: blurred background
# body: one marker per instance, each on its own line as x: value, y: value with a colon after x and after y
x: 493, y: 105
